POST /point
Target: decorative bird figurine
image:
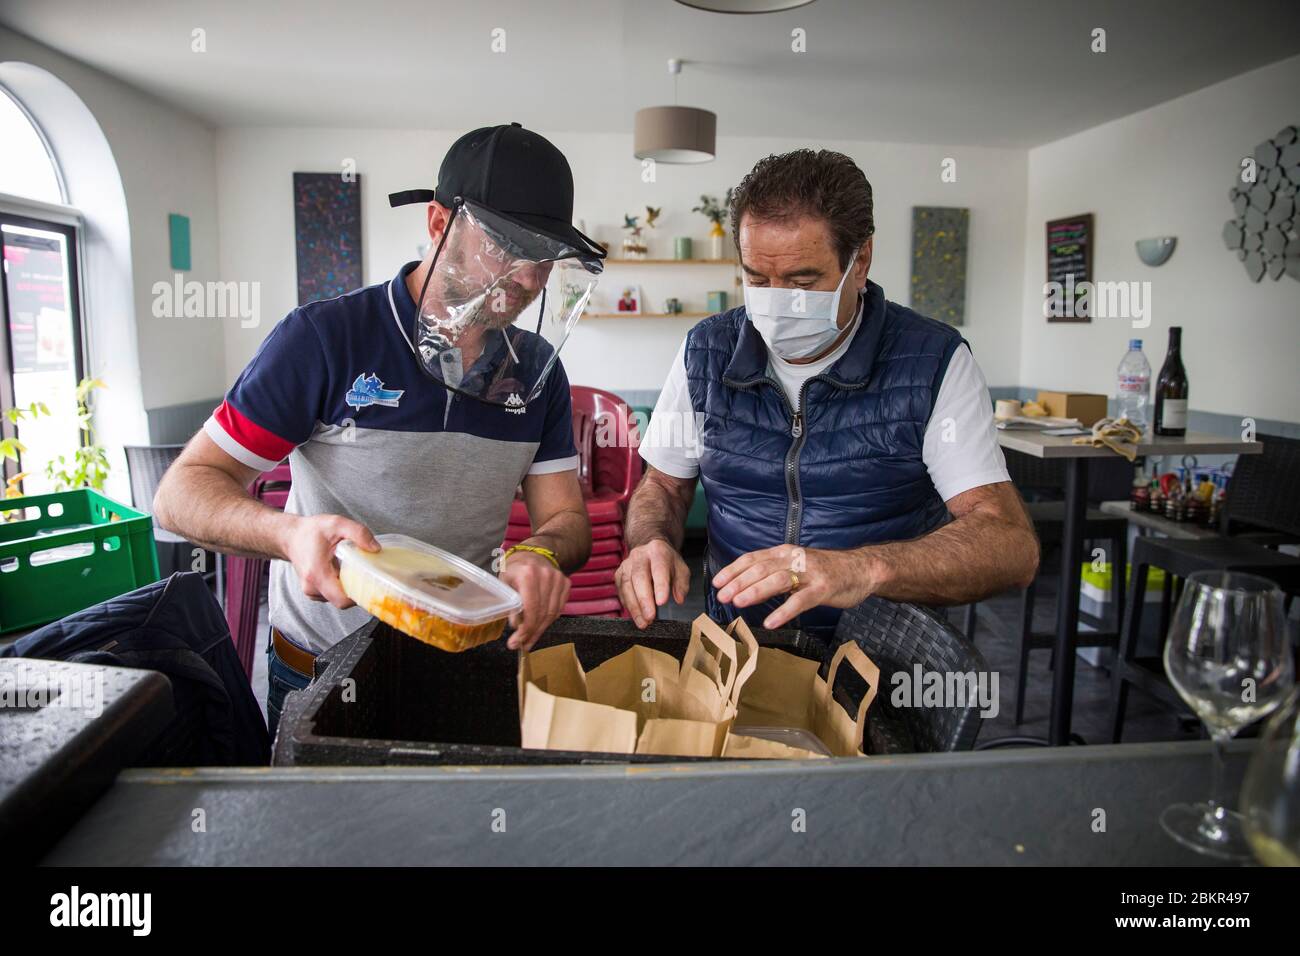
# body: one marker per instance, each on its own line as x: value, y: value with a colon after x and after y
x: 651, y: 214
x: 629, y: 222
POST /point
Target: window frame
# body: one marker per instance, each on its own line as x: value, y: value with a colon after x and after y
x: 66, y: 221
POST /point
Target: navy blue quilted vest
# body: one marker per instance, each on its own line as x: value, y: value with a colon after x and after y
x: 845, y: 473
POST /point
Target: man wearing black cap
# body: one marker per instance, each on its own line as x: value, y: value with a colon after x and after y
x: 415, y: 406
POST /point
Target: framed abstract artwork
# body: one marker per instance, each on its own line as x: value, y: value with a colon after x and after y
x: 327, y: 234
x: 938, y: 286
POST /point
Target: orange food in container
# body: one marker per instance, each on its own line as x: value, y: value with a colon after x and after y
x: 428, y: 593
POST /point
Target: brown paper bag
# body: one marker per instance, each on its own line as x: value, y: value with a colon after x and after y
x: 555, y: 714
x: 683, y: 738
x: 708, y: 670
x: 695, y: 712
x: 785, y: 691
x: 749, y: 748
x: 687, y: 712
x: 746, y: 654
x: 640, y: 679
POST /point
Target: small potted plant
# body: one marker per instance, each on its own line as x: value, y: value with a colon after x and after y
x: 715, y: 212
x: 88, y: 467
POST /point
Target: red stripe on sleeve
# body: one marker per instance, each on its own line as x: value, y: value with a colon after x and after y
x: 251, y: 436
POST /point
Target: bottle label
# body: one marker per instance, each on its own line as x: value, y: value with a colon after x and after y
x: 1174, y: 413
x: 1133, y: 383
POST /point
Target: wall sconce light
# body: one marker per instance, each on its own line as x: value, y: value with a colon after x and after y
x: 1156, y: 252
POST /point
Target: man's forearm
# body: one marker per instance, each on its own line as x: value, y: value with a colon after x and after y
x: 209, y: 508
x: 658, y: 510
x: 966, y: 560
x: 568, y: 534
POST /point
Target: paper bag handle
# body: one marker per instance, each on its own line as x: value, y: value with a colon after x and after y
x: 746, y: 637
x: 696, y: 647
x: 868, y: 671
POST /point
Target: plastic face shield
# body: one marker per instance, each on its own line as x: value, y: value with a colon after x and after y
x: 498, y: 305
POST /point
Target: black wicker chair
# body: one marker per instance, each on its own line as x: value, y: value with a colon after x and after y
x: 145, y: 466
x: 897, y: 637
x: 1039, y: 481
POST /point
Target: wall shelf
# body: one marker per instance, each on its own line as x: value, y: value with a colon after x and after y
x: 647, y: 315
x: 670, y: 262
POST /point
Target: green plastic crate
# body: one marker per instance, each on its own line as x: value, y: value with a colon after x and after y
x: 69, y: 550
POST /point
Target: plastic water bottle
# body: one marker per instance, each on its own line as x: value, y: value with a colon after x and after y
x: 1133, y: 393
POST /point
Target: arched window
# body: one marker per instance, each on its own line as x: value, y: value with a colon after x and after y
x: 28, y: 170
x: 41, y: 358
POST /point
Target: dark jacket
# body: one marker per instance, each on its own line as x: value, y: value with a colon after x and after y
x: 848, y: 473
x: 175, y: 627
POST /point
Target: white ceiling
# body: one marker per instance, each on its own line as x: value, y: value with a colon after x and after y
x: 972, y: 72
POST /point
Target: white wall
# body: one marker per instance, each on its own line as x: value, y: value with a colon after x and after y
x: 1166, y: 172
x: 255, y: 167
x: 166, y: 159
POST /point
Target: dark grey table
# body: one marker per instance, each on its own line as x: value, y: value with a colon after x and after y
x: 1032, y: 806
x: 1076, y: 490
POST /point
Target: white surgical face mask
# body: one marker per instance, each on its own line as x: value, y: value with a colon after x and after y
x: 796, y: 323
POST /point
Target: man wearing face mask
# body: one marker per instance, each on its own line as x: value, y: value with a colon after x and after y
x: 846, y: 444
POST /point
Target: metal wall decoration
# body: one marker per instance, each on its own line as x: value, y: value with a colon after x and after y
x: 1265, y: 231
x: 327, y: 234
x: 939, y: 262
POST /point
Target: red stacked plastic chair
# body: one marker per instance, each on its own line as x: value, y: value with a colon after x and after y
x: 244, y: 575
x: 605, y: 433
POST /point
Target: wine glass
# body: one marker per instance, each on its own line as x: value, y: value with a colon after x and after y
x: 1270, y: 795
x: 1228, y: 656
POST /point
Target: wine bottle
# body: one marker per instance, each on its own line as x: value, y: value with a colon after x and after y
x: 1171, y: 390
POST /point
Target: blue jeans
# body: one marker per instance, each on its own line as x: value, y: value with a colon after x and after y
x: 281, y: 679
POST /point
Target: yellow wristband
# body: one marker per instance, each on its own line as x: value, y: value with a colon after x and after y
x: 547, y: 553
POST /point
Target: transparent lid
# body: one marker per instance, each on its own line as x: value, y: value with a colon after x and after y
x: 432, y: 579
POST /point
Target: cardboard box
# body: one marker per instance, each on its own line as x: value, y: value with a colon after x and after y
x: 1087, y: 407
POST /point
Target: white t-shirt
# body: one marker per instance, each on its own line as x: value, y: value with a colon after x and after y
x: 960, y: 448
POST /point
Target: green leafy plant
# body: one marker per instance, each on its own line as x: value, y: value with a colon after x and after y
x: 713, y: 210
x: 88, y: 467
x: 11, y: 448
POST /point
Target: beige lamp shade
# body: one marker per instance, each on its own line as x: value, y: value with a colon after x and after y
x: 744, y: 6
x: 675, y: 134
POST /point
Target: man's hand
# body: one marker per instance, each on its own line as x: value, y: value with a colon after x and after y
x: 309, y: 545
x: 826, y: 578
x: 543, y: 588
x: 647, y: 576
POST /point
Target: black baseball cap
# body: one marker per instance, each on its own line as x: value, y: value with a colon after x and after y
x: 517, y: 174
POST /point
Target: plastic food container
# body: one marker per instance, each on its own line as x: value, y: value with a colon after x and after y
x: 423, y: 591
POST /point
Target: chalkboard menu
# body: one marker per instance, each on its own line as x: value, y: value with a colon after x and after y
x: 1069, y: 267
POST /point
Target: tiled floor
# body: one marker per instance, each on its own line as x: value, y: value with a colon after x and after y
x: 998, y: 638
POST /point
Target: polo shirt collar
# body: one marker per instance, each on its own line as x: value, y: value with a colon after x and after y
x: 403, y: 306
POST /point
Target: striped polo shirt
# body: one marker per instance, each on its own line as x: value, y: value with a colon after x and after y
x: 337, y: 388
